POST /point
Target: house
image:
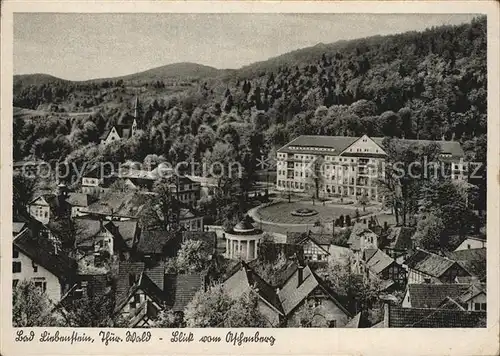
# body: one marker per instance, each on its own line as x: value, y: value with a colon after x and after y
x: 399, y: 317
x: 42, y: 261
x: 472, y: 242
x: 79, y: 203
x: 118, y: 206
x: 190, y: 221
x: 304, y: 286
x: 47, y: 207
x: 126, y: 127
x: 424, y: 266
x: 430, y: 295
x: 139, y: 295
x: 475, y: 298
x: 361, y: 238
x: 377, y: 263
x: 155, y: 245
x: 472, y: 260
x: 96, y: 179
x: 30, y: 168
x: 350, y: 162
x: 398, y: 241
x: 106, y: 238
x: 315, y: 246
x: 181, y: 288
x: 245, y: 280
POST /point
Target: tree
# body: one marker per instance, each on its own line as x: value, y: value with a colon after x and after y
x: 363, y: 200
x: 89, y: 312
x: 31, y: 307
x: 192, y: 257
x: 162, y: 209
x: 359, y: 292
x: 169, y: 319
x: 245, y: 313
x: 429, y: 231
x: 208, y: 309
x: 315, y: 172
x: 23, y: 189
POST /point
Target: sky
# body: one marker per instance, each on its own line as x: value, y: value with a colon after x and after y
x: 87, y: 46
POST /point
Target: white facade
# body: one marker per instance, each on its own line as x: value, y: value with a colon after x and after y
x: 40, y: 210
x: 244, y: 247
x: 471, y: 243
x: 24, y: 268
x: 477, y: 303
x: 192, y: 224
x: 112, y: 136
x: 349, y: 173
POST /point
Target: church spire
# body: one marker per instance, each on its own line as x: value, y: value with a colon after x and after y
x: 136, y: 107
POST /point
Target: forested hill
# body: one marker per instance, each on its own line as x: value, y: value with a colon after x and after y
x: 427, y: 85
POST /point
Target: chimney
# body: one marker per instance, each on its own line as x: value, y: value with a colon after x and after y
x: 300, y: 275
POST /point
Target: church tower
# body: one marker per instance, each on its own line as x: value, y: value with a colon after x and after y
x: 135, y: 124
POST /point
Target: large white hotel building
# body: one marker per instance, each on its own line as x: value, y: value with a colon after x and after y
x: 349, y: 164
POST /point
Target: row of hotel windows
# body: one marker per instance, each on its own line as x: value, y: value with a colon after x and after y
x: 41, y: 212
x: 329, y: 188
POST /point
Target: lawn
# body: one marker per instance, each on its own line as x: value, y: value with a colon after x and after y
x: 281, y: 213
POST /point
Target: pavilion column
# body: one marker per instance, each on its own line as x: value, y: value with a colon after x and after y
x: 248, y: 249
x: 255, y: 248
x: 239, y: 249
x: 227, y: 247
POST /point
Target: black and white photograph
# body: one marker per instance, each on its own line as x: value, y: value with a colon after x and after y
x: 249, y: 170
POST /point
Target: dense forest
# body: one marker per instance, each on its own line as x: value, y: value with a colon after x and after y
x: 423, y: 85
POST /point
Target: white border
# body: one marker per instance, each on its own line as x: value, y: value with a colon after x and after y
x: 288, y: 341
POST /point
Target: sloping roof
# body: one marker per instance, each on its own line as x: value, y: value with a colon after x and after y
x: 400, y: 238
x: 155, y: 241
x: 292, y: 294
x: 368, y: 253
x: 293, y: 237
x: 127, y: 204
x: 86, y: 229
x: 126, y: 270
x: 429, y: 263
x: 379, y: 261
x: 358, y: 230
x: 340, y: 143
x: 321, y: 143
x: 433, y: 318
x: 17, y: 227
x: 43, y: 253
x: 79, y: 199
x: 125, y: 229
x: 181, y: 289
x: 243, y: 278
x: 472, y: 260
x: 354, y: 322
x: 473, y: 291
x: 430, y: 295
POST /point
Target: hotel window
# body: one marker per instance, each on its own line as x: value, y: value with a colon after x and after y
x: 15, y: 253
x: 35, y: 267
x: 14, y: 283
x: 16, y: 267
x: 477, y: 306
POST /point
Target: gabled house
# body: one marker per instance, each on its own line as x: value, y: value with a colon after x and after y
x: 399, y: 317
x: 472, y: 260
x: 126, y: 127
x: 79, y: 203
x: 48, y: 207
x: 118, y: 206
x: 377, y: 263
x: 398, y: 242
x: 142, y: 293
x: 245, y: 280
x: 42, y: 261
x: 156, y: 245
x: 424, y: 266
x: 190, y: 221
x: 106, y: 238
x: 429, y: 295
x: 475, y: 298
x: 304, y: 286
x: 472, y: 242
x: 361, y: 238
x: 315, y: 246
